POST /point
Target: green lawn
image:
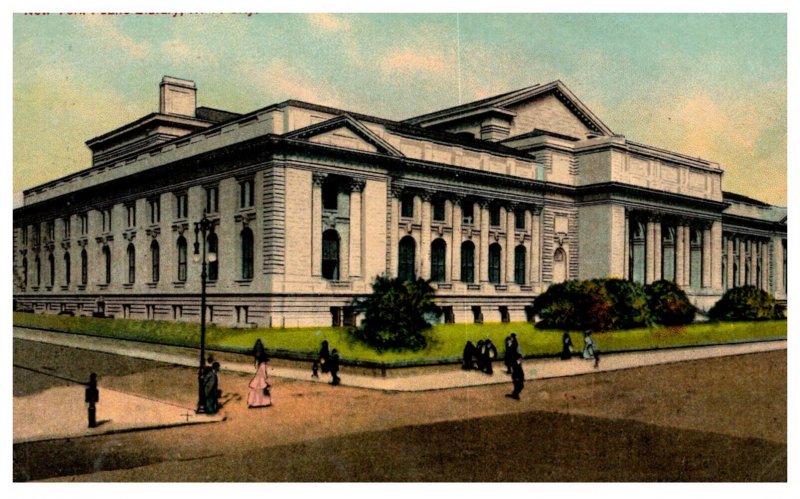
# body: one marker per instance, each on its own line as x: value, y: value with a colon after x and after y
x: 447, y: 340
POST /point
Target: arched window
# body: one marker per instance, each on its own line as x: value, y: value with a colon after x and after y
x: 667, y: 252
x: 38, y: 268
x: 559, y: 266
x: 330, y: 255
x: 84, y: 267
x: 67, y: 269
x: 131, y: 263
x: 638, y: 264
x: 494, y: 263
x: 51, y: 263
x: 107, y: 261
x: 468, y: 262
x: 24, y: 272
x: 155, y: 261
x: 182, y: 256
x: 407, y: 253
x: 438, y: 252
x: 213, y: 247
x: 519, y: 264
x: 246, y: 242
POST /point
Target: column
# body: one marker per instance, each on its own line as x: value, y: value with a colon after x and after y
x: 650, y: 247
x: 356, y: 219
x: 530, y: 246
x: 716, y: 255
x: 425, y: 235
x: 483, y: 259
x: 627, y: 248
x: 657, y: 253
x: 455, y: 247
x: 765, y: 265
x: 392, y: 236
x: 729, y: 270
x: 316, y: 223
x: 511, y: 242
x: 705, y: 279
x: 753, y: 263
x: 742, y: 258
x: 679, y: 255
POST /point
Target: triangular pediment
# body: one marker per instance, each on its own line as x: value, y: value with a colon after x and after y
x: 346, y: 132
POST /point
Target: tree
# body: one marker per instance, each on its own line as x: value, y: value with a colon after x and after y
x: 745, y: 303
x: 396, y: 314
x: 669, y: 304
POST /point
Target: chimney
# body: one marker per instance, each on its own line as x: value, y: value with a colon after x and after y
x: 177, y: 97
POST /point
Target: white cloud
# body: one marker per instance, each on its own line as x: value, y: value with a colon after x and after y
x: 104, y: 29
x: 329, y: 22
x: 280, y: 81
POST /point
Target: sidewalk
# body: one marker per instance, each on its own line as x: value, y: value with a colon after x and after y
x: 60, y: 413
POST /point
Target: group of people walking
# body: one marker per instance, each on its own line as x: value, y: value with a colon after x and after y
x: 590, y: 351
x: 479, y: 356
x: 328, y: 362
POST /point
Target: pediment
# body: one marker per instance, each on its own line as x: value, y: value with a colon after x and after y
x: 346, y: 132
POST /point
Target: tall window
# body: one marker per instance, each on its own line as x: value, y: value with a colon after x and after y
x: 668, y: 252
x: 519, y: 219
x: 519, y: 264
x: 407, y: 205
x: 84, y: 267
x: 438, y: 252
x: 24, y: 272
x: 406, y: 270
x: 559, y: 266
x: 494, y: 263
x: 637, y: 252
x: 747, y: 258
x: 155, y: 261
x: 51, y: 264
x: 36, y: 234
x: 66, y: 228
x: 67, y: 269
x: 106, y: 219
x: 212, y: 199
x: 213, y: 247
x: 51, y: 230
x: 107, y: 261
x: 438, y: 209
x: 131, y: 208
x: 330, y: 195
x: 468, y: 262
x: 757, y: 251
x: 696, y: 259
x: 330, y: 255
x: 246, y: 240
x: 84, y: 217
x: 131, y: 263
x: 24, y: 232
x: 467, y: 213
x: 182, y: 256
x: 154, y: 206
x: 181, y: 205
x: 38, y: 267
x: 736, y: 252
x: 246, y: 197
x: 724, y: 263
x: 494, y: 216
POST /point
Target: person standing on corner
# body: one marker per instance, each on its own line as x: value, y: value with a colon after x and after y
x: 322, y: 360
x: 566, y: 346
x: 333, y: 367
x: 260, y: 394
x: 517, y: 379
x: 211, y: 388
x: 92, y: 397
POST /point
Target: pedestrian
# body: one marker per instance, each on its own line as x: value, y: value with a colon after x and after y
x: 479, y: 352
x: 258, y: 350
x: 322, y: 361
x: 490, y: 353
x: 508, y: 354
x: 469, y: 352
x: 566, y: 346
x: 211, y: 388
x: 333, y: 367
x: 92, y: 397
x: 517, y: 379
x: 588, y: 345
x: 260, y: 394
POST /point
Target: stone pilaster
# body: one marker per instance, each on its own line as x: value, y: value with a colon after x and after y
x: 455, y: 247
x: 425, y: 235
x: 650, y: 247
x: 356, y: 230
x: 705, y: 278
x: 316, y: 223
x: 483, y: 259
x: 511, y: 242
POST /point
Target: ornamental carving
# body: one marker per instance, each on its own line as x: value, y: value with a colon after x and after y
x: 318, y: 178
x: 357, y: 184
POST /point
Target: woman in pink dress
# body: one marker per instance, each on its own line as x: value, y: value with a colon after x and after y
x: 259, y: 395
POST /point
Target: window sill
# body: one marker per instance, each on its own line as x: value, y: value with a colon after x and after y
x: 65, y: 288
x: 243, y: 282
x: 443, y: 285
x: 49, y: 288
x: 128, y: 285
x: 525, y: 287
x: 340, y: 284
x: 473, y: 287
x: 501, y: 287
x: 102, y: 287
x: 81, y: 287
x: 152, y: 285
x: 179, y: 284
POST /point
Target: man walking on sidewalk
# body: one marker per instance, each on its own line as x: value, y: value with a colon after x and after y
x: 517, y: 379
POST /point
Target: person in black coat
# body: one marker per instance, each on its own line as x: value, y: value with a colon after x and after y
x: 258, y: 351
x: 322, y: 360
x: 333, y: 367
x: 490, y: 353
x: 469, y: 352
x: 566, y: 346
x: 479, y: 353
x: 517, y: 379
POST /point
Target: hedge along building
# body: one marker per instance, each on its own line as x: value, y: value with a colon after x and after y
x: 494, y: 201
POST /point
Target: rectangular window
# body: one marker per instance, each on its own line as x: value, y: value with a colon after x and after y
x: 177, y: 311
x: 155, y: 211
x: 519, y: 220
x: 24, y: 231
x: 241, y: 314
x: 126, y: 311
x: 468, y: 213
x: 246, y: 197
x: 36, y: 234
x: 106, y: 220
x: 51, y: 230
x: 131, y: 215
x: 494, y: 216
x: 151, y: 312
x: 438, y: 210
x: 181, y: 205
x: 212, y: 199
x: 407, y: 206
x: 84, y: 223
x: 66, y: 228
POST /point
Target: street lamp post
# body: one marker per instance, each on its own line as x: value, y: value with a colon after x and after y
x: 204, y: 226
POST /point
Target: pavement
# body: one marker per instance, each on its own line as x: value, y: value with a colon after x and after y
x: 53, y: 414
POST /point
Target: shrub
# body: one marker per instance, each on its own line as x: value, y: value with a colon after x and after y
x: 597, y: 304
x: 396, y: 314
x: 745, y: 303
x: 669, y: 304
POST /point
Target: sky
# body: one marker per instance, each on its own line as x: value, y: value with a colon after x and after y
x: 708, y: 85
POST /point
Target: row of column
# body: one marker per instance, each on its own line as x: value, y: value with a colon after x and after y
x: 759, y: 248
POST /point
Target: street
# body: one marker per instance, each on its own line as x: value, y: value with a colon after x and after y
x: 721, y: 419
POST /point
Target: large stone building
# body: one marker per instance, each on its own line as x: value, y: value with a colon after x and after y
x: 493, y: 200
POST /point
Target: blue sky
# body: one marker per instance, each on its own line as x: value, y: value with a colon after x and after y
x: 708, y: 85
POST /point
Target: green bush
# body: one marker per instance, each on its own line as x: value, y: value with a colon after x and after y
x: 669, y: 304
x: 597, y: 304
x: 745, y: 303
x: 396, y: 314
